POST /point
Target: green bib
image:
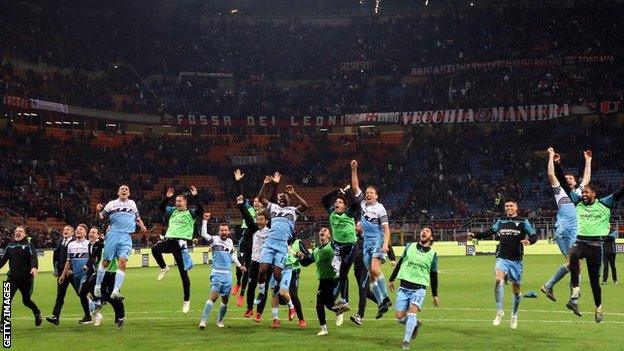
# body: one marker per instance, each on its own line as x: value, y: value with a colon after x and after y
x: 252, y: 212
x: 416, y: 266
x: 593, y: 220
x: 291, y: 259
x: 343, y: 228
x: 323, y: 256
x: 181, y: 225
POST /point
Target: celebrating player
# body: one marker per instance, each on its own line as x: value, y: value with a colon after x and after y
x: 77, y: 258
x: 181, y: 223
x: 566, y: 225
x: 123, y: 216
x: 376, y: 234
x: 327, y: 275
x: 513, y: 233
x: 342, y: 223
x: 259, y: 232
x: 594, y: 215
x: 275, y: 250
x: 223, y: 255
x: 418, y: 270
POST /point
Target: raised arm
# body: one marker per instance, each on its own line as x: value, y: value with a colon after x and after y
x: 587, y: 171
x: 552, y: 178
x: 238, y: 177
x: 264, y: 191
x: 327, y: 200
x: 488, y: 233
x: 163, y: 204
x: 204, y: 228
x: 355, y: 182
x: 249, y: 221
x: 194, y: 201
x: 610, y: 200
x: 303, y: 205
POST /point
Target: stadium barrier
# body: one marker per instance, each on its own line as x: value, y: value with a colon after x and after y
x: 202, y: 255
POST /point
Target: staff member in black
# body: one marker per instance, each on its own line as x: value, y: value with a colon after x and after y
x: 23, y: 264
x: 59, y: 258
x: 608, y: 256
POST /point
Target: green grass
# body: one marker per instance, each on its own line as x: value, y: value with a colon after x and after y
x: 463, y: 321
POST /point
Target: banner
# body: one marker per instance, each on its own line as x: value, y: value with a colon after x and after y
x: 536, y: 62
x: 494, y: 114
x: 16, y: 102
x: 251, y: 121
x: 49, y: 106
x: 23, y: 103
x: 604, y: 107
x: 246, y: 160
x: 356, y: 65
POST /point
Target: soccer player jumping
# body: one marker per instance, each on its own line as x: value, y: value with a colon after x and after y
x: 123, y: 216
x: 418, y: 270
x: 513, y: 233
x: 566, y: 225
x: 376, y: 234
x: 275, y: 249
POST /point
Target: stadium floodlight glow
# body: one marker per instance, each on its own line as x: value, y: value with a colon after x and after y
x: 377, y: 3
x: 426, y: 2
x: 111, y: 125
x: 76, y: 122
x: 234, y: 11
x: 58, y: 122
x: 368, y: 126
x: 49, y: 123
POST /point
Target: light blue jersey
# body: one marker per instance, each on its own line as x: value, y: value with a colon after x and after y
x: 223, y: 252
x: 566, y: 216
x: 374, y: 217
x: 122, y: 216
x: 282, y: 222
x: 78, y: 256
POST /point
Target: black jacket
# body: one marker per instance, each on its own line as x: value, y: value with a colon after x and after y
x: 22, y: 257
x: 59, y: 256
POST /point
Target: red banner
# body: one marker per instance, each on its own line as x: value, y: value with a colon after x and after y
x: 16, y: 102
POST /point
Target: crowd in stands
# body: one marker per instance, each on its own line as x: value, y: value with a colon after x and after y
x: 444, y: 173
x: 261, y: 55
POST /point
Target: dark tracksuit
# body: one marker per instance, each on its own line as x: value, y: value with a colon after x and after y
x: 609, y: 253
x: 22, y: 258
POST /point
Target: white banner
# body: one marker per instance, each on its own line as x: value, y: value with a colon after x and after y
x: 49, y: 106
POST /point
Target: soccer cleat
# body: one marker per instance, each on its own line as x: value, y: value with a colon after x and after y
x: 405, y: 345
x: 235, y: 289
x: 323, y: 332
x: 339, y: 319
x: 549, y: 293
x: 98, y: 307
x: 258, y: 299
x: 115, y: 295
x: 162, y: 272
x: 97, y: 291
x: 258, y: 317
x: 499, y: 318
x: 38, y: 319
x: 302, y: 324
x: 248, y: 313
x: 574, y: 308
x: 513, y: 322
x: 291, y: 313
x: 220, y: 324
x: 86, y: 320
x: 415, y: 332
x: 186, y: 306
x: 344, y: 307
x: 275, y: 324
x: 239, y: 300
x: 97, y: 319
x: 598, y: 314
x: 383, y: 308
x: 202, y: 324
x: 120, y: 323
x: 356, y: 319
x: 53, y: 319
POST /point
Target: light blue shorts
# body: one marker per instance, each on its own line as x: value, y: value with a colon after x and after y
x: 372, y: 249
x: 221, y: 283
x: 274, y: 253
x: 512, y: 269
x: 117, y: 245
x: 407, y: 297
x: 284, y: 281
x: 565, y: 238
